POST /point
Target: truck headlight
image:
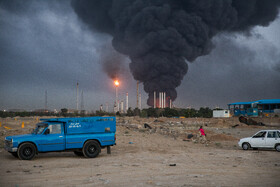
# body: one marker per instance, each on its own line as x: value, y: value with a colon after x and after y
x: 9, y: 143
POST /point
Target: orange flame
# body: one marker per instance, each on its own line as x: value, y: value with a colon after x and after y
x: 117, y: 83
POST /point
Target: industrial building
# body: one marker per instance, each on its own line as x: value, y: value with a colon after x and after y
x: 221, y: 113
x: 264, y: 107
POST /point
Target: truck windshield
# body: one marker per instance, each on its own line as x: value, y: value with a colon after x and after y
x: 40, y: 128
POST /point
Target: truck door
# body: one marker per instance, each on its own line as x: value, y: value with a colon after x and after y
x: 272, y: 139
x: 53, y: 140
x: 258, y: 140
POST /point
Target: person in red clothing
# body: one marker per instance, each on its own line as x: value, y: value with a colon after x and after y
x: 202, y: 135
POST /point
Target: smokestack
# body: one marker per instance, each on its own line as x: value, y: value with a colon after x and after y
x: 126, y: 104
x: 77, y: 97
x: 140, y: 101
x: 115, y: 107
x: 117, y: 100
x: 121, y: 106
x: 164, y: 99
x: 159, y: 99
x: 82, y: 101
x: 170, y: 103
x: 137, y: 87
x: 155, y: 99
x: 101, y: 108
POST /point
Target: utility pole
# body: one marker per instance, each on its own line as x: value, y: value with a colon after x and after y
x: 137, y: 88
x: 82, y: 101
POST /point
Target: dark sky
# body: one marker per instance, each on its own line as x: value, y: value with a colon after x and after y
x: 44, y: 46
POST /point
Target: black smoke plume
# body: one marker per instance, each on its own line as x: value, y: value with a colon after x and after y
x: 159, y: 36
x: 112, y: 62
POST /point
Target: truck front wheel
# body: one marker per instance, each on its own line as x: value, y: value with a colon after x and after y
x: 91, y: 149
x: 26, y: 151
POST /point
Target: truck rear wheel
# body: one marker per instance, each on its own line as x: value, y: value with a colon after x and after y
x: 26, y: 151
x: 91, y: 149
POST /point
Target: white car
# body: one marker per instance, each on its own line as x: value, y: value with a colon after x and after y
x: 262, y: 139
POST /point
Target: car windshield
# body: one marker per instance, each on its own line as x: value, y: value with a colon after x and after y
x: 40, y: 128
x: 260, y: 134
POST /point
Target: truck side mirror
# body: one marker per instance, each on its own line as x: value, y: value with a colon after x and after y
x: 47, y: 131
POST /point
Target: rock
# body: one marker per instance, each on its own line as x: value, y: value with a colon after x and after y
x: 147, y: 126
x: 106, y: 181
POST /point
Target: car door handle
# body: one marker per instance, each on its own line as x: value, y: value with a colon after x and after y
x: 60, y: 136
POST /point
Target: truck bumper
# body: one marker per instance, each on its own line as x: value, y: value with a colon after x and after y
x: 11, y: 149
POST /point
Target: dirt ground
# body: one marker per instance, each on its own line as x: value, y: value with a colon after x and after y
x: 149, y: 157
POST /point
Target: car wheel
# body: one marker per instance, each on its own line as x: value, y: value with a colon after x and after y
x: 14, y: 154
x: 26, y: 151
x: 78, y: 153
x: 277, y: 147
x: 91, y: 149
x: 245, y: 146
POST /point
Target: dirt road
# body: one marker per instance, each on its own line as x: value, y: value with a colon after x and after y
x: 148, y: 159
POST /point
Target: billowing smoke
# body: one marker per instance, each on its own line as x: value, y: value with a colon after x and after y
x: 111, y: 61
x: 159, y: 36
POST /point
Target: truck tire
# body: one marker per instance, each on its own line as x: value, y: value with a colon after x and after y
x: 26, y: 151
x: 91, y: 149
x: 78, y: 153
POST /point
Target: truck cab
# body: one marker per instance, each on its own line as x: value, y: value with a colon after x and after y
x: 85, y: 136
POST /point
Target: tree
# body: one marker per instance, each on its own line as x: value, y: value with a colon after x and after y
x: 152, y: 112
x: 100, y: 113
x: 64, y: 111
x: 189, y: 113
x: 136, y: 112
x: 205, y: 112
x: 144, y: 114
x: 169, y: 112
x: 129, y: 112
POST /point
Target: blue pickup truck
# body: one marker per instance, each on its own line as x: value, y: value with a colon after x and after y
x: 84, y: 136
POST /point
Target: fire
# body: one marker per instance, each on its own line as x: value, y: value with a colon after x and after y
x: 117, y: 83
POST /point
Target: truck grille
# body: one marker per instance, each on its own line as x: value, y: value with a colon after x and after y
x: 8, y: 143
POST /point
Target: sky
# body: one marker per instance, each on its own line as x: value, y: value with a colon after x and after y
x: 45, y: 47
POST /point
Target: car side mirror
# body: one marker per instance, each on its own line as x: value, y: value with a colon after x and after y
x: 47, y: 131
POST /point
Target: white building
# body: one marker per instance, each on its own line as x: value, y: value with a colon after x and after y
x: 221, y: 113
